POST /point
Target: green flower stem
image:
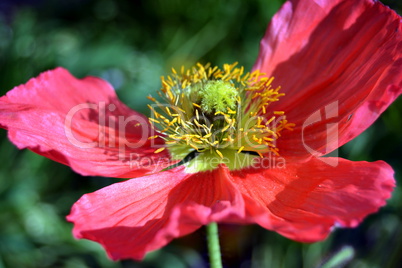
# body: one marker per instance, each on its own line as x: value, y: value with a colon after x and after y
x: 213, y: 245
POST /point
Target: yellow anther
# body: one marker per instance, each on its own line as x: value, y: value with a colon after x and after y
x: 169, y: 92
x: 219, y: 153
x: 164, y: 83
x: 270, y: 120
x: 275, y: 151
x: 153, y: 137
x: 225, y: 128
x: 227, y: 119
x: 151, y: 98
x: 290, y: 126
x: 173, y: 121
x: 180, y: 109
x: 154, y: 120
x: 231, y: 111
x: 185, y: 84
x: 168, y: 111
x: 240, y: 149
x: 159, y: 150
x: 197, y: 123
x: 207, y: 136
x: 194, y: 147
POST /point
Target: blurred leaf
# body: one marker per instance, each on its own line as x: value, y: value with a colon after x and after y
x: 340, y: 258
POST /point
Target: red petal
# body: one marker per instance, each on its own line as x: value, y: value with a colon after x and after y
x: 80, y: 123
x: 340, y: 62
x: 304, y: 201
x: 134, y: 217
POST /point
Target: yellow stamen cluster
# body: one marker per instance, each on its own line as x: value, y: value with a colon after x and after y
x: 209, y: 109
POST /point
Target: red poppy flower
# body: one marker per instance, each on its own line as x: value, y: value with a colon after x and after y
x: 247, y: 149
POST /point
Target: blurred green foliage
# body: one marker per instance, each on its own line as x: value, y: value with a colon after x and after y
x: 131, y: 44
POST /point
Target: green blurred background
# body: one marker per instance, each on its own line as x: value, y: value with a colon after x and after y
x: 131, y: 44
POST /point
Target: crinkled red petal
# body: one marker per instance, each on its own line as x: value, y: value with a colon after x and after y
x: 305, y: 201
x: 338, y: 62
x: 81, y: 123
x: 134, y: 217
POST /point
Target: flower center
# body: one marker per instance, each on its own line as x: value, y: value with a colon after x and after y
x: 217, y: 96
x: 218, y: 116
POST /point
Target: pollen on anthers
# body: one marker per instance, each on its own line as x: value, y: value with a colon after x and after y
x: 219, y: 112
